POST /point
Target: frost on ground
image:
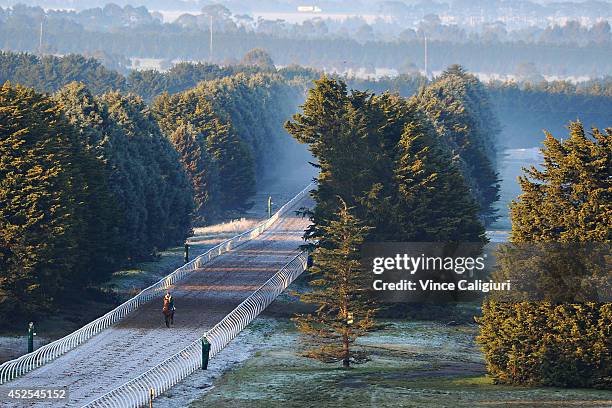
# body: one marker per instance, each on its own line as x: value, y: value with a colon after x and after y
x: 15, y: 346
x: 251, y: 340
x: 413, y: 364
x: 128, y: 282
x: 235, y: 227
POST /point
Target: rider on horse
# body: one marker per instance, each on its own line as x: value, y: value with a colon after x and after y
x: 169, y: 299
x: 168, y: 308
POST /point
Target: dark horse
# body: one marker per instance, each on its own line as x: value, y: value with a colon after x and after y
x: 168, y: 313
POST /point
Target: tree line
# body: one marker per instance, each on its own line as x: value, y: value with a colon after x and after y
x: 50, y: 73
x: 521, y: 107
x: 548, y: 105
x: 92, y: 181
x: 112, y: 16
x: 20, y: 31
x: 524, y: 109
x: 236, y: 125
x: 87, y: 184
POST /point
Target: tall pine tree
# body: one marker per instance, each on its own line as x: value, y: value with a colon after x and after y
x: 106, y: 225
x: 381, y: 154
x: 231, y: 179
x: 166, y: 193
x: 436, y: 204
x: 345, y: 311
x: 459, y: 107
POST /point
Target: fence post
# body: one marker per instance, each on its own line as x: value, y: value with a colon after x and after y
x: 186, y: 252
x: 31, y: 335
x: 269, y: 206
x: 151, y: 395
x: 205, y: 352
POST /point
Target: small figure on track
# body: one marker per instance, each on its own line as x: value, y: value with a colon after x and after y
x: 168, y: 309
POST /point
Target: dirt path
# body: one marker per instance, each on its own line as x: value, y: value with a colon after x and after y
x: 141, y: 340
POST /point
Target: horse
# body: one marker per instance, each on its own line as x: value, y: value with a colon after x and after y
x: 168, y: 313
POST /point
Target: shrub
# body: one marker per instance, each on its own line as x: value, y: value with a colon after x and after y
x: 539, y: 343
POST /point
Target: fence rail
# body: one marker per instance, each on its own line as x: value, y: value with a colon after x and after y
x: 136, y: 392
x: 28, y: 362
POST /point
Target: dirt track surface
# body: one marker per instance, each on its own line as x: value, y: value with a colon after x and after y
x: 141, y: 340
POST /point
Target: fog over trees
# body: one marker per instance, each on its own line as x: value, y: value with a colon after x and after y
x: 495, y: 44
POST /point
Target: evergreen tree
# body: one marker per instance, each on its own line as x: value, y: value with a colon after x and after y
x: 106, y: 224
x: 50, y: 73
x: 151, y: 195
x: 236, y: 174
x: 555, y: 330
x: 381, y: 154
x: 42, y: 206
x: 164, y: 188
x: 323, y: 125
x: 345, y: 311
x: 258, y: 57
x: 123, y: 161
x: 459, y: 107
x: 436, y: 204
x: 201, y: 170
x: 570, y: 198
x: 232, y: 181
x: 563, y: 216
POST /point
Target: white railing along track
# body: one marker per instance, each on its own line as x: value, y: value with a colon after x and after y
x: 136, y: 392
x: 28, y: 362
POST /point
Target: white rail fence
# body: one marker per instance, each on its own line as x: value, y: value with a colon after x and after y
x: 28, y: 362
x: 136, y: 392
